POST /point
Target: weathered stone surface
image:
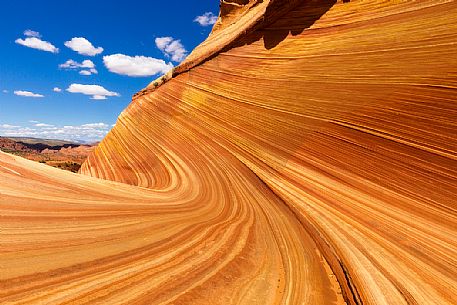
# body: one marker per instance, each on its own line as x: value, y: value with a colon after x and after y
x: 305, y: 158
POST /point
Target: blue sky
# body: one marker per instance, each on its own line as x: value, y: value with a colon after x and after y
x: 68, y: 68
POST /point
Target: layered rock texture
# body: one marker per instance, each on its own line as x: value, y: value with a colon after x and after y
x: 304, y: 154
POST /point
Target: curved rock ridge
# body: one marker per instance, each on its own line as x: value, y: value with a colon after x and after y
x: 311, y: 159
x: 236, y: 19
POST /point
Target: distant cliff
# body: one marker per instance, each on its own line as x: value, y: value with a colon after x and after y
x: 60, y: 154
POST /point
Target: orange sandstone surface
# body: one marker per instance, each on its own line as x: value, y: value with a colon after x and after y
x: 306, y: 153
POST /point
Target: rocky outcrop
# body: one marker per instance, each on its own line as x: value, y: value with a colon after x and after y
x: 307, y: 156
x: 10, y: 145
x: 61, y: 154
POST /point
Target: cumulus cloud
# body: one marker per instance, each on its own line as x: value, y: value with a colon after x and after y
x: 95, y: 125
x: 30, y: 33
x: 206, y: 19
x: 98, y: 97
x: 87, y: 65
x: 87, y: 72
x: 172, y: 48
x: 71, y: 64
x: 43, y: 125
x: 27, y: 93
x: 135, y: 65
x: 162, y: 42
x: 97, y: 92
x: 34, y: 42
x: 83, y: 46
x: 89, y: 132
x: 57, y: 89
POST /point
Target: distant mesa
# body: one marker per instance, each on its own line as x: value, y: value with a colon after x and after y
x: 62, y: 154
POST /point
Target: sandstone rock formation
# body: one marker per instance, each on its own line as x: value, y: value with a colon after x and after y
x: 304, y: 154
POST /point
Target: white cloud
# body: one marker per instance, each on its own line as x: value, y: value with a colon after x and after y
x: 43, y: 125
x: 57, y: 89
x: 206, y: 19
x: 172, y: 48
x: 90, y: 132
x: 162, y: 42
x: 97, y: 92
x: 98, y: 97
x: 71, y: 64
x: 95, y: 125
x: 36, y: 43
x: 86, y: 64
x: 136, y: 65
x: 5, y: 91
x: 8, y: 126
x: 88, y: 72
x: 30, y: 33
x: 83, y: 46
x: 27, y: 93
x: 33, y: 121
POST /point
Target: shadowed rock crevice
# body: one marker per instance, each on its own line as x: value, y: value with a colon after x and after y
x: 299, y: 18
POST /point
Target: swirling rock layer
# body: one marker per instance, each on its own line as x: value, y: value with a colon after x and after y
x: 310, y: 160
